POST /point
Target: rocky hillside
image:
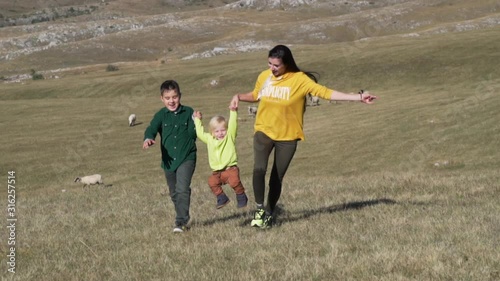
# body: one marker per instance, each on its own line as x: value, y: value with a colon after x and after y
x: 52, y: 35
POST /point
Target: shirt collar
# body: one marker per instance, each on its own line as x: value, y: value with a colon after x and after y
x: 282, y: 77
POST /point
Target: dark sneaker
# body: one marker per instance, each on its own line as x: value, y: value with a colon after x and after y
x: 242, y: 200
x: 222, y: 200
x: 181, y: 228
x: 267, y: 222
x: 258, y: 218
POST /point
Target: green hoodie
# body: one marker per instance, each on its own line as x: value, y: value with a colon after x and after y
x: 221, y: 153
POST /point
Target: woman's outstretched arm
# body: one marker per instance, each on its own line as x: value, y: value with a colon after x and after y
x: 248, y: 97
x: 362, y: 96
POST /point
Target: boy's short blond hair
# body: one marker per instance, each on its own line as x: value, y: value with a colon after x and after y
x: 216, y: 122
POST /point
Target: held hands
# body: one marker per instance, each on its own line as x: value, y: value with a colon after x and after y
x: 233, y: 105
x: 366, y: 97
x: 147, y: 143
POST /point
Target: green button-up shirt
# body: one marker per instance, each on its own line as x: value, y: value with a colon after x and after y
x: 178, y: 136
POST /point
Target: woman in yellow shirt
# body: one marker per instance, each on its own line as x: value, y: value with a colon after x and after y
x: 281, y: 92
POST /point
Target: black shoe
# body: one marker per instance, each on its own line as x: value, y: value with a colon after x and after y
x: 267, y: 222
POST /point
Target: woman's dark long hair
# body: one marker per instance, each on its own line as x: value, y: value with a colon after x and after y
x: 285, y: 54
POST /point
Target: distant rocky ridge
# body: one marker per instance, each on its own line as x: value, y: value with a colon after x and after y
x: 46, y: 15
x: 43, y: 39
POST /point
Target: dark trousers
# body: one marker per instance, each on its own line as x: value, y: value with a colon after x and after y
x: 179, y: 186
x: 283, y: 154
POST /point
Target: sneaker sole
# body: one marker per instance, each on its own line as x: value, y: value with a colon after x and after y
x: 266, y: 226
x: 180, y: 229
x: 256, y: 223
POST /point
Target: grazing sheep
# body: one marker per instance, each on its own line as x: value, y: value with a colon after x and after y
x: 312, y: 100
x: 90, y: 180
x: 252, y: 110
x: 131, y: 120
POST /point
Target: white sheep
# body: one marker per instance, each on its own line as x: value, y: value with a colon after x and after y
x: 131, y: 120
x: 90, y: 180
x: 252, y: 111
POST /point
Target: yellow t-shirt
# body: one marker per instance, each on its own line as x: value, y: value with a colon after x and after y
x: 281, y: 103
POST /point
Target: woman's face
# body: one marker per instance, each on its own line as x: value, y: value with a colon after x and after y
x: 277, y: 67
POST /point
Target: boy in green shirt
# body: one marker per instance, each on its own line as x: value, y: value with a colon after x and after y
x: 175, y: 125
x: 222, y: 157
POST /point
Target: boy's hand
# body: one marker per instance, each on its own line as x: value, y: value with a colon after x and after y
x: 147, y: 143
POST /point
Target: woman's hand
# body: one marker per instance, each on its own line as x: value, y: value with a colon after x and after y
x: 366, y: 97
x: 233, y: 105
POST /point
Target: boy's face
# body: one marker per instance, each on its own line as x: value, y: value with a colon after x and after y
x: 219, y: 132
x: 171, y: 99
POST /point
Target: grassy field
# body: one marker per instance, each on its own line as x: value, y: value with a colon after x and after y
x: 406, y: 189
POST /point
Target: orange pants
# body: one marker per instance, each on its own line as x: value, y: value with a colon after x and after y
x: 231, y: 176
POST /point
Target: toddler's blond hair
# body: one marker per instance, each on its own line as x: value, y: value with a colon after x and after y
x: 215, y: 122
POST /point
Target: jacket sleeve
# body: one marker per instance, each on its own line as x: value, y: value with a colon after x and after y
x: 154, y: 127
x: 191, y: 126
x: 232, y: 126
x: 199, y: 130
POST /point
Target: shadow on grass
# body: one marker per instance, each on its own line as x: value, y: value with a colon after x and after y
x: 287, y: 217
x: 236, y: 216
x: 305, y: 214
x: 136, y: 124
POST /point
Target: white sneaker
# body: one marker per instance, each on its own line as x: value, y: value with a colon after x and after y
x: 180, y: 229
